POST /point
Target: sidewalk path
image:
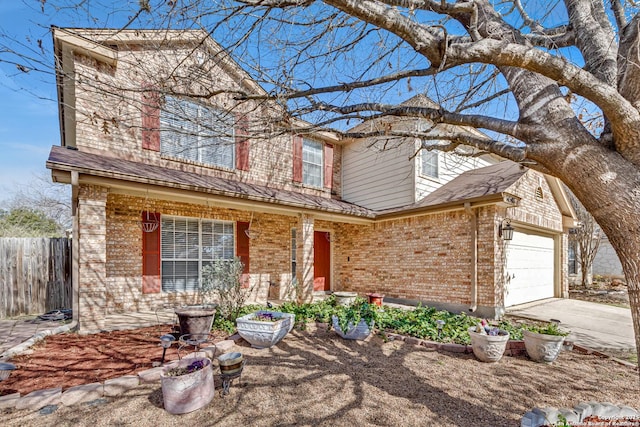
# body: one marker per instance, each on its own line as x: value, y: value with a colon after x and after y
x: 593, y: 325
x: 18, y: 330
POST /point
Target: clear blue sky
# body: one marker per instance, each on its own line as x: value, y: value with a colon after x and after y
x: 28, y: 124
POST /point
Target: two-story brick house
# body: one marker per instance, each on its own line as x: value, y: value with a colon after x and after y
x: 170, y: 171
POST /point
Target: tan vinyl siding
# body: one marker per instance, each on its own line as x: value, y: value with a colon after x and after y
x: 376, y: 178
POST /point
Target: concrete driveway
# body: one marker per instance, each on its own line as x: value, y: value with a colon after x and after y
x: 597, y: 326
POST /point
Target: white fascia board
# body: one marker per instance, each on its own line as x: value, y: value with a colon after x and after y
x: 87, y: 47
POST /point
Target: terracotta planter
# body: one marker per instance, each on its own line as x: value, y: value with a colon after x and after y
x: 262, y: 334
x: 359, y: 332
x: 488, y: 348
x: 195, y: 319
x: 188, y: 392
x: 542, y: 347
x: 345, y: 298
x: 376, y: 299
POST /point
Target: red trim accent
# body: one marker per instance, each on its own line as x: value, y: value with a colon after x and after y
x: 328, y: 166
x: 297, y: 158
x: 242, y: 143
x: 151, y: 283
x: 151, y: 120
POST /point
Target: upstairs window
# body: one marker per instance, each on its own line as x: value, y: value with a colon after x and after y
x: 195, y: 132
x: 430, y: 164
x: 312, y: 162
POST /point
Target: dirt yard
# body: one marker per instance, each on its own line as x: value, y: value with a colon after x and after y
x: 315, y: 378
x: 612, y: 292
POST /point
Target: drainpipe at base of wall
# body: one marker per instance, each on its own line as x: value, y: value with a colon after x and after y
x: 473, y: 228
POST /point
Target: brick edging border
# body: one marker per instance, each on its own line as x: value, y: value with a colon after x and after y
x: 89, y: 392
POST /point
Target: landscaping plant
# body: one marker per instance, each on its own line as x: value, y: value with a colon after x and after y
x: 221, y: 280
x: 550, y: 328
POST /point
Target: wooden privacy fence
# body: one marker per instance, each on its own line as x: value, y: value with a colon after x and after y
x: 35, y: 275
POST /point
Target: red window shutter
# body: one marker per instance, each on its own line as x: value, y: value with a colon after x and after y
x: 242, y: 143
x: 328, y: 166
x: 242, y: 250
x: 242, y: 244
x: 151, y: 120
x: 297, y: 158
x: 151, y: 283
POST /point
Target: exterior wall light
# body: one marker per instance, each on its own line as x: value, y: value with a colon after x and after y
x: 506, y: 230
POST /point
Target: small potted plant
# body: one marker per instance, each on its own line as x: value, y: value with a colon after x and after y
x: 543, y: 343
x: 265, y: 328
x: 355, y: 321
x: 187, y: 385
x: 488, y: 342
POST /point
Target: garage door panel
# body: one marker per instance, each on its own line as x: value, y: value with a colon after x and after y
x: 529, y: 268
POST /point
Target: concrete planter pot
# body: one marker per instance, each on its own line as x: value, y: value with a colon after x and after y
x: 542, y: 347
x: 186, y: 393
x: 196, y: 319
x: 261, y: 334
x: 359, y: 332
x: 488, y: 348
x: 345, y: 298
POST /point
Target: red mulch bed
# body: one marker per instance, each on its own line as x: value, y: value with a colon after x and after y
x: 70, y: 359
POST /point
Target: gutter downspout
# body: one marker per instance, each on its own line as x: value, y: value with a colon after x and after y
x: 75, y: 250
x: 473, y: 229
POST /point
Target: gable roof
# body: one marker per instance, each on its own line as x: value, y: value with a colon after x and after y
x: 103, y: 44
x: 476, y: 184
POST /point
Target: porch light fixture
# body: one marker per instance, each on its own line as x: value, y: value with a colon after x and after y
x: 506, y: 230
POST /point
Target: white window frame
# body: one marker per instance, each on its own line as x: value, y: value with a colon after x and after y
x: 310, y: 162
x: 198, y: 133
x: 431, y: 159
x: 193, y: 246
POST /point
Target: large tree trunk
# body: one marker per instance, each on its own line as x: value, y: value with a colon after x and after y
x: 609, y: 188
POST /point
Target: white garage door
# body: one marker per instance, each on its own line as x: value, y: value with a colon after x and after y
x: 529, y: 273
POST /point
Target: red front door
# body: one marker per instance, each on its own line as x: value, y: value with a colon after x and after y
x: 321, y: 261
